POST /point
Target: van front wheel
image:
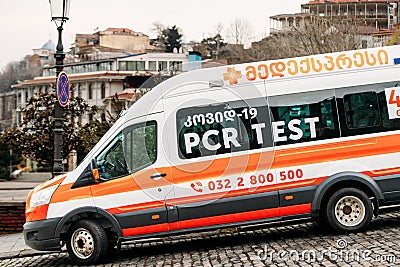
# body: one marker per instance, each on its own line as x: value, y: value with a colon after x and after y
x: 86, y: 242
x: 349, y: 210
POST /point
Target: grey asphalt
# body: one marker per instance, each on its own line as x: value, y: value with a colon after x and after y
x: 16, y: 191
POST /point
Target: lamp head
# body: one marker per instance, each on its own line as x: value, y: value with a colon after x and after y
x: 59, y: 11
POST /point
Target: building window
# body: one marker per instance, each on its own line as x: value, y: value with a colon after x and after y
x: 364, y: 43
x: 90, y: 91
x: 140, y: 65
x: 79, y: 90
x: 176, y: 65
x: 162, y: 65
x: 103, y: 90
x: 122, y: 65
x: 152, y: 65
x: 131, y: 65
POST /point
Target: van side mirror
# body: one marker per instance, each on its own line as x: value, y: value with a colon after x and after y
x: 95, y: 171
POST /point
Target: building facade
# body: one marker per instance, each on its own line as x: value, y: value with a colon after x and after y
x: 381, y: 14
x: 112, y: 42
x: 375, y: 19
x: 98, y: 81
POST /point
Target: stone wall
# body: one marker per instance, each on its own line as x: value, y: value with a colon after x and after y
x: 12, y: 217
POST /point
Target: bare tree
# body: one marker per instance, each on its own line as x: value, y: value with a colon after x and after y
x: 219, y: 28
x: 240, y: 32
x: 158, y: 28
x: 317, y: 36
x: 395, y: 39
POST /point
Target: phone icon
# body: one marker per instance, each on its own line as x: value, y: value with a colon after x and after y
x: 197, y: 186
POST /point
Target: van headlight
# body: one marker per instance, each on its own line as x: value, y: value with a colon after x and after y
x: 43, y: 196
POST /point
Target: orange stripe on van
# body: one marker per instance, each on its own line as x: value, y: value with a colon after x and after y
x: 136, y: 207
x: 65, y: 193
x: 36, y: 213
x: 376, y: 173
x: 221, y: 219
x: 214, y: 196
x: 138, y: 181
x: 142, y: 230
x: 236, y: 165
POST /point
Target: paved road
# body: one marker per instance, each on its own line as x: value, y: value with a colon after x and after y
x: 282, y: 246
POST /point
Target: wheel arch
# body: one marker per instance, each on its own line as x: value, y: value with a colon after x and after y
x: 104, y: 217
x: 342, y: 180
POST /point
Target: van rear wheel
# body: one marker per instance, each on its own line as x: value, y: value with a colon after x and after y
x: 349, y: 210
x: 86, y: 242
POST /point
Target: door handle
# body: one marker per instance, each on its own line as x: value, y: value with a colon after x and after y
x: 158, y: 176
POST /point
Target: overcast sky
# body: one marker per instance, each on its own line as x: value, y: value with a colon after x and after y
x: 26, y: 24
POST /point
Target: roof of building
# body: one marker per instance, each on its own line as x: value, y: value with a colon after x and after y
x: 121, y: 31
x: 49, y: 45
x: 73, y: 77
x: 295, y: 15
x: 127, y: 94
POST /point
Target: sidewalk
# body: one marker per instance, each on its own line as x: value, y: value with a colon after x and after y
x: 13, y: 246
x: 16, y: 191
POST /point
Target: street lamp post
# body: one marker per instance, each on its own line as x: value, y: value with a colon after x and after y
x: 59, y: 14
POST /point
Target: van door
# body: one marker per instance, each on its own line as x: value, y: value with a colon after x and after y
x: 221, y: 148
x: 135, y: 179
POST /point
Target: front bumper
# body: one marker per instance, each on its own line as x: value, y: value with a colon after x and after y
x: 40, y: 235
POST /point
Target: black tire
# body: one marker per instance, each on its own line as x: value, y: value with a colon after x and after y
x: 349, y: 210
x: 86, y: 242
x: 320, y: 221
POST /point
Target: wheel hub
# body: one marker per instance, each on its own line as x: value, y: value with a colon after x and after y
x: 350, y: 211
x: 82, y: 243
x: 347, y: 210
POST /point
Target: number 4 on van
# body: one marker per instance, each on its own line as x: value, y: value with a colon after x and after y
x: 393, y: 102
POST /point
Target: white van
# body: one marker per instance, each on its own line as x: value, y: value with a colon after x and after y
x: 315, y: 137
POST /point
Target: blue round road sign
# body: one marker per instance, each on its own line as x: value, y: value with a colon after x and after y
x: 63, y: 89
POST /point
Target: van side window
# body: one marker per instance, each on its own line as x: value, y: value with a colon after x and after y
x: 131, y: 150
x: 111, y: 162
x: 140, y: 145
x: 388, y: 124
x: 304, y: 117
x: 361, y: 110
x: 364, y: 109
x: 223, y: 128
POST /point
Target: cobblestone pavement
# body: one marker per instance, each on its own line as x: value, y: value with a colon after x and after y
x: 296, y: 245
